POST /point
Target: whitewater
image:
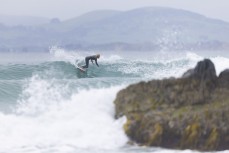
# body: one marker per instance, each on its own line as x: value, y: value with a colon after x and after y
x: 49, y: 106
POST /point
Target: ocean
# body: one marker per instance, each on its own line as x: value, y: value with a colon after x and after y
x: 49, y: 106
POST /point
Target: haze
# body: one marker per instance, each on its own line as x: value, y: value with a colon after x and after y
x: 66, y: 9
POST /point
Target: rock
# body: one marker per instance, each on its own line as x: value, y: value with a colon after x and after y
x: 191, y: 112
x: 205, y: 70
x: 224, y: 79
x: 188, y: 73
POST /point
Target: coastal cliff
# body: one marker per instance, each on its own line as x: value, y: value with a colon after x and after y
x: 191, y: 112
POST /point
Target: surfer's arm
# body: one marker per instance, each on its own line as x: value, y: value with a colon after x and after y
x: 92, y: 61
x: 96, y: 62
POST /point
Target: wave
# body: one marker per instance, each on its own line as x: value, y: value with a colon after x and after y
x: 113, y: 70
x: 55, y: 106
x: 84, y: 120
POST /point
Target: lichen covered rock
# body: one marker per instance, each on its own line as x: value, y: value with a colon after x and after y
x: 191, y: 112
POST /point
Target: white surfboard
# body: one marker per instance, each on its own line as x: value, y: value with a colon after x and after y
x: 80, y: 68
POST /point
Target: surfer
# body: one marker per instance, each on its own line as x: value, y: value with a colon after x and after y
x: 93, y: 57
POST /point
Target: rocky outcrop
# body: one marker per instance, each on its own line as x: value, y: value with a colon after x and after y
x: 223, y: 78
x: 191, y: 112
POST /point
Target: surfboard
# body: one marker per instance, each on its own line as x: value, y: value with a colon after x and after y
x: 80, y: 68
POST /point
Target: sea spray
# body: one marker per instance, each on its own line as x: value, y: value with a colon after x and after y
x: 221, y: 63
x: 58, y: 109
x: 44, y: 118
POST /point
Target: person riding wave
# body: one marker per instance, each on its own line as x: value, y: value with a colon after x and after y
x: 92, y: 58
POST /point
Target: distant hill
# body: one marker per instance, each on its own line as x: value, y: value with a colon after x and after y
x: 150, y: 28
x: 10, y: 20
x: 84, y: 19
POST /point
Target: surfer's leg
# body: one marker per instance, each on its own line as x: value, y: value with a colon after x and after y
x: 87, y: 63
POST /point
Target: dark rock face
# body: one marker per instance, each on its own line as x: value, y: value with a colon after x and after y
x: 205, y: 70
x: 224, y: 78
x: 191, y: 112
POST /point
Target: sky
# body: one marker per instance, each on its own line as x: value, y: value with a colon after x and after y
x: 66, y: 9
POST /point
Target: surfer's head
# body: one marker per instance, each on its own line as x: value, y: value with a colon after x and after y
x: 98, y: 55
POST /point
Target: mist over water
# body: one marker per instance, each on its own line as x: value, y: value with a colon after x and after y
x: 47, y: 105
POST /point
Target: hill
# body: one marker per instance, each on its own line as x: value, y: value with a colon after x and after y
x: 150, y: 28
x: 10, y: 20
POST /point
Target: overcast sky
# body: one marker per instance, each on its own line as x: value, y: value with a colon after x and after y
x: 65, y: 9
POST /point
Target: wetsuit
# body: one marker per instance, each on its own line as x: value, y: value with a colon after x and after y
x: 94, y: 57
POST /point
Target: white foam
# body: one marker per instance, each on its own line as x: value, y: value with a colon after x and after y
x: 111, y: 58
x: 221, y: 63
x: 60, y: 54
x: 45, y: 119
x: 193, y: 56
x: 161, y: 65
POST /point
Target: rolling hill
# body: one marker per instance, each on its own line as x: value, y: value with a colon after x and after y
x: 150, y: 28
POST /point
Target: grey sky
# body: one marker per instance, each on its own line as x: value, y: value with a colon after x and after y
x: 65, y: 9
